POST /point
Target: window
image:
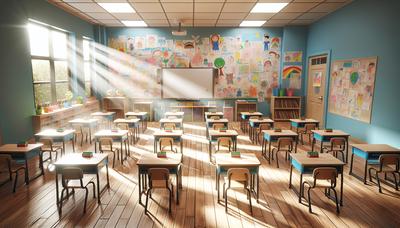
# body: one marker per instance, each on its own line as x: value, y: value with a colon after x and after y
x: 49, y: 52
x: 88, y: 65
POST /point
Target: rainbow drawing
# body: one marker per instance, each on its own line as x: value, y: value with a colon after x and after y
x: 288, y: 70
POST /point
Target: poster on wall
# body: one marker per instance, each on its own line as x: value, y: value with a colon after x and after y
x: 292, y: 74
x: 352, y: 84
x: 249, y: 70
x: 293, y: 57
x: 317, y: 79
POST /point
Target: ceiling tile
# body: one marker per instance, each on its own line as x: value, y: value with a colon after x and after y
x: 298, y: 7
x: 228, y: 23
x: 327, y: 7
x: 274, y: 1
x: 110, y: 1
x: 100, y: 15
x: 308, y: 0
x: 157, y: 22
x: 237, y: 16
x: 206, y: 15
x: 185, y: 24
x: 213, y: 1
x: 207, y: 7
x: 106, y: 21
x: 178, y: 7
x: 147, y: 7
x: 259, y: 16
x: 273, y: 21
x: 145, y: 1
x: 153, y: 15
x: 311, y: 16
x: 88, y: 7
x: 241, y: 0
x: 203, y: 22
x: 281, y: 16
x: 237, y: 7
x: 301, y: 22
x: 76, y: 1
x: 180, y: 16
x: 126, y: 16
x: 176, y: 0
x: 66, y: 7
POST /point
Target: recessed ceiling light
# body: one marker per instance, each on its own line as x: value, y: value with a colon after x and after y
x: 134, y: 23
x: 117, y: 7
x: 268, y: 7
x: 251, y: 23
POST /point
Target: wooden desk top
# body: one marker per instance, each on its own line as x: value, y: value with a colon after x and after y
x: 166, y: 133
x: 244, y: 160
x: 14, y: 148
x: 166, y: 120
x: 323, y: 160
x: 149, y: 159
x: 217, y: 121
x: 283, y: 133
x: 373, y: 148
x: 333, y: 133
x: 261, y: 121
x: 76, y: 159
x: 251, y: 113
x: 102, y: 113
x: 135, y: 113
x: 83, y: 121
x: 174, y: 113
x: 54, y: 133
x: 126, y: 120
x: 109, y: 133
x: 214, y: 113
x: 219, y: 133
x: 304, y: 121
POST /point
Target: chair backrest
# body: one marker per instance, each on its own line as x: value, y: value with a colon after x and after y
x: 165, y: 141
x: 132, y: 117
x: 170, y: 126
x: 157, y: 174
x: 105, y: 142
x: 264, y: 126
x: 325, y: 173
x: 77, y: 128
x: 224, y: 141
x: 285, y: 143
x: 217, y: 126
x: 123, y: 126
x: 172, y: 117
x: 309, y: 126
x: 46, y: 142
x: 239, y: 174
x: 389, y: 160
x: 71, y: 173
x: 254, y: 117
x: 338, y: 142
x: 214, y: 117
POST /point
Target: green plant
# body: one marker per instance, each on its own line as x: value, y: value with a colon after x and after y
x: 38, y: 109
x: 79, y: 99
x: 69, y: 95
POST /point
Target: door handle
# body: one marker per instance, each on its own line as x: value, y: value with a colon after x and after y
x: 320, y: 97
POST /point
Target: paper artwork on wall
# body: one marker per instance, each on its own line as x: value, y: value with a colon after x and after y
x: 317, y: 79
x: 293, y: 57
x: 351, y: 90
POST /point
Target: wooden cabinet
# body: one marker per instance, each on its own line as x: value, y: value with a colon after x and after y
x: 285, y: 108
x: 244, y: 106
x: 119, y: 105
x: 61, y: 117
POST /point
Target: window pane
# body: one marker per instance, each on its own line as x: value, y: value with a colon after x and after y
x: 61, y: 89
x: 88, y: 92
x: 61, y: 70
x: 86, y: 50
x: 41, y: 70
x: 39, y: 40
x: 59, y: 44
x: 42, y: 93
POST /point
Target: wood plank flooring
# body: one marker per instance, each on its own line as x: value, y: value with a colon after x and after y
x: 34, y: 205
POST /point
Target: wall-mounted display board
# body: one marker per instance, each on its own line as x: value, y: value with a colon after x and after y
x: 246, y: 67
x: 352, y: 85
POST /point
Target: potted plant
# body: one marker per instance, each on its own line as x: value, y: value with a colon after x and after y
x: 79, y: 100
x: 68, y: 96
x: 38, y: 109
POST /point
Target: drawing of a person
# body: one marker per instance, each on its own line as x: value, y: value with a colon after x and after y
x: 215, y: 40
x: 266, y: 42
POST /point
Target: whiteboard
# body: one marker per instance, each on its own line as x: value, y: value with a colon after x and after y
x: 187, y: 83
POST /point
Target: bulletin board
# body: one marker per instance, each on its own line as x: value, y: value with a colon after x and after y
x: 352, y: 85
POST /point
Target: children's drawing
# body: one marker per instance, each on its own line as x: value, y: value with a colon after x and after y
x: 266, y: 42
x: 151, y: 41
x: 215, y: 40
x: 317, y: 79
x: 293, y: 57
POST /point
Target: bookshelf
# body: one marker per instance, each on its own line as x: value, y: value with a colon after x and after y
x: 285, y: 108
x: 244, y: 106
x: 144, y: 106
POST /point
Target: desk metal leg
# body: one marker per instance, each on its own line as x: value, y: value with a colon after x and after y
x: 295, y: 145
x: 258, y: 185
x: 290, y: 176
x: 108, y: 178
x: 269, y: 152
x: 140, y: 186
x: 73, y: 144
x: 301, y: 189
x: 57, y: 196
x: 26, y: 171
x: 262, y: 146
x: 177, y: 186
x: 218, y: 178
x: 347, y: 150
x: 351, y: 164
x: 155, y: 145
x: 98, y: 186
x: 63, y: 150
x: 341, y: 188
x: 209, y: 150
x: 312, y: 145
x: 181, y: 144
x: 365, y: 171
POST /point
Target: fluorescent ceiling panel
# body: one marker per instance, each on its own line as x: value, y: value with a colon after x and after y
x: 268, y: 7
x: 134, y: 23
x: 252, y: 23
x: 117, y: 7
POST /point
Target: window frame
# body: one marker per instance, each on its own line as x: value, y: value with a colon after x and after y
x: 91, y: 61
x: 53, y: 82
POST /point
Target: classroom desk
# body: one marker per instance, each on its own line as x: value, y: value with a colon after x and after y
x: 300, y: 123
x: 118, y: 136
x: 175, y: 134
x: 178, y: 122
x: 254, y: 123
x: 210, y: 122
x: 306, y: 165
x: 86, y: 123
x: 370, y: 153
x: 132, y: 124
x: 150, y: 160
x: 213, y: 135
x: 88, y: 165
x: 244, y: 118
x: 58, y: 136
x: 207, y: 115
x: 23, y: 154
x: 195, y: 111
x: 270, y: 136
x: 178, y: 115
x: 323, y: 136
x: 224, y: 162
x: 139, y: 115
x: 108, y: 116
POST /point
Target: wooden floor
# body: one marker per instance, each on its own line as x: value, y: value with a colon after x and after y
x: 34, y: 205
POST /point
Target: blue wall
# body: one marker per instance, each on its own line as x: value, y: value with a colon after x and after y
x: 16, y: 93
x: 362, y: 29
